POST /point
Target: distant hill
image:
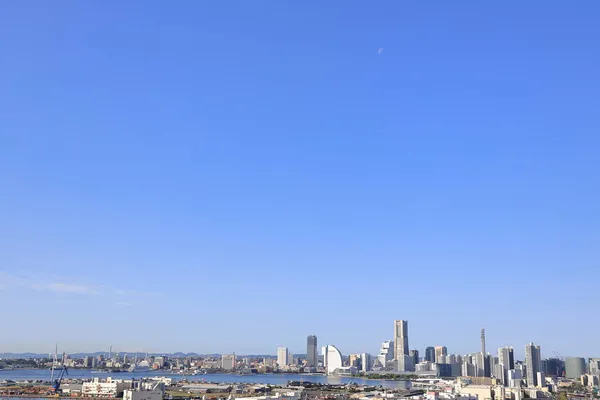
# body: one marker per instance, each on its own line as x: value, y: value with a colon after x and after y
x: 130, y: 353
x: 22, y: 355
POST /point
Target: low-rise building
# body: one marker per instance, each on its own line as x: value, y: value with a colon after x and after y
x: 108, y: 389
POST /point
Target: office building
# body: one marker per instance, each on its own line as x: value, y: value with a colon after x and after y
x: 506, y: 357
x: 283, y: 357
x: 430, y: 354
x: 480, y: 367
x: 515, y: 376
x: 400, y: 339
x: 354, y: 360
x: 533, y: 362
x: 404, y: 364
x: 500, y: 373
x: 553, y: 367
x: 109, y: 388
x: 468, y: 369
x: 506, y: 362
x: 332, y: 359
x: 440, y: 351
x: 228, y: 361
x: 386, y: 354
x: 541, y: 379
x: 311, y: 351
x: 574, y: 367
x: 366, y: 362
x: 415, y: 356
x: 594, y: 366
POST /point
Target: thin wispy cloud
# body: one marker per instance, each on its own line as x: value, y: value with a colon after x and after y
x: 64, y: 287
x: 61, y: 287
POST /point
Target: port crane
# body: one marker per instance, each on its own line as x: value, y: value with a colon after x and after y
x: 58, y: 381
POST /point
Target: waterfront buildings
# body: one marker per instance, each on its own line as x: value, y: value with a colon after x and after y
x: 283, y: 357
x: 332, y: 359
x: 108, y: 389
x: 400, y: 339
x: 533, y: 362
x: 354, y: 360
x: 145, y: 391
x: 366, y: 362
x: 228, y: 361
x: 311, y: 351
x: 386, y: 354
x: 574, y: 367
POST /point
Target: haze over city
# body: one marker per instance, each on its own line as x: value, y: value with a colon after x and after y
x: 204, y: 178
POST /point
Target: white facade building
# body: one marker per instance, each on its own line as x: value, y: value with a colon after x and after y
x: 283, y: 357
x: 109, y: 388
x: 366, y: 362
x: 386, y: 354
x: 332, y: 359
x: 145, y: 391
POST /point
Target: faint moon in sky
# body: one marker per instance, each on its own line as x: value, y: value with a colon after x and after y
x: 380, y: 50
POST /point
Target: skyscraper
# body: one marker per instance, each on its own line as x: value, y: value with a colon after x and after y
x: 365, y: 362
x: 575, y: 367
x: 332, y: 358
x: 533, y: 362
x: 440, y: 351
x: 483, y: 341
x: 228, y: 361
x: 415, y: 356
x: 507, y: 360
x: 400, y: 339
x: 430, y: 354
x: 282, y: 356
x: 311, y: 351
x: 386, y: 353
x: 552, y: 367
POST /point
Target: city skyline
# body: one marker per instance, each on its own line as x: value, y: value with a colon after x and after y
x: 400, y: 327
x: 181, y: 162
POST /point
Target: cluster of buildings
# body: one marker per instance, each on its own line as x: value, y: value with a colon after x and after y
x: 114, y: 361
x: 501, y: 369
x: 127, y: 389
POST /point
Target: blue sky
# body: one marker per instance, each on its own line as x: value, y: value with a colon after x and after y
x: 254, y: 172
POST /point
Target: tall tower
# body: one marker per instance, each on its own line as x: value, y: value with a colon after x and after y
x: 311, y: 351
x: 283, y: 357
x: 533, y: 361
x: 483, y: 341
x: 400, y: 339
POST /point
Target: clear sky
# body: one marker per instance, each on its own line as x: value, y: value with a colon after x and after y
x: 218, y: 176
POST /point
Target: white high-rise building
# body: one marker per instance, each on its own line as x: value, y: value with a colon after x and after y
x: 386, y: 353
x: 332, y: 358
x: 365, y: 362
x: 283, y: 355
